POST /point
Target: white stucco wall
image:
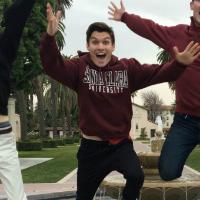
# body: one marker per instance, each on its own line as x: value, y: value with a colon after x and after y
x: 139, y: 121
x: 14, y: 118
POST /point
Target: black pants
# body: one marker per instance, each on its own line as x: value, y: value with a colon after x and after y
x: 97, y: 159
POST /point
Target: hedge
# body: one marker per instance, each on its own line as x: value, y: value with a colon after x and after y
x: 49, y: 143
x: 29, y: 146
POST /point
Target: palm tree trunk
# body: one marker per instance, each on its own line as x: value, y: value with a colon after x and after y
x: 63, y: 117
x: 22, y: 108
x: 53, y: 106
x: 69, y: 122
x: 39, y: 93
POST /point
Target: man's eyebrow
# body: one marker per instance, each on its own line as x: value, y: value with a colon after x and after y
x: 106, y: 38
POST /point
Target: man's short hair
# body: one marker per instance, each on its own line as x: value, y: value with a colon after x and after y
x: 100, y: 27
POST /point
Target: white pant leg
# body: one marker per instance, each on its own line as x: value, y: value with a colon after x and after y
x: 10, y: 172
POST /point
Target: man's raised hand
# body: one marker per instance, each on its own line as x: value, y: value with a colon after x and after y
x: 53, y: 20
x: 189, y: 54
x: 115, y: 12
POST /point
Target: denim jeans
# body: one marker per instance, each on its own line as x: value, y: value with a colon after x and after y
x: 96, y: 159
x: 184, y: 135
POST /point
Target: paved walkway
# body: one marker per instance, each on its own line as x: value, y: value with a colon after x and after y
x: 65, y: 187
x: 29, y: 162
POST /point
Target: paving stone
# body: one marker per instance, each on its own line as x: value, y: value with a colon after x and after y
x: 29, y: 162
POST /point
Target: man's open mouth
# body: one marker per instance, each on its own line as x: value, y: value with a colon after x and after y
x: 101, y: 55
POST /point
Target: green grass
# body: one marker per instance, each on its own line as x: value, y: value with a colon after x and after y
x: 194, y: 159
x: 63, y: 162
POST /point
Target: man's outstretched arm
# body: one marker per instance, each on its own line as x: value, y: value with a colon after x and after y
x: 146, y: 75
x: 14, y: 21
x: 162, y: 36
x: 60, y: 69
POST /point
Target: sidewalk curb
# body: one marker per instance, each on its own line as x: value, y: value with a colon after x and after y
x: 69, y: 176
x: 48, y: 196
x: 66, y: 195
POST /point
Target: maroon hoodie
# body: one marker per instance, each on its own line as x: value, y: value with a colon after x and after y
x: 188, y: 85
x: 104, y: 93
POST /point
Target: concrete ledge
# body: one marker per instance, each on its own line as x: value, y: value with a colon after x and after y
x: 48, y: 196
x: 68, y: 177
x: 55, y: 195
x: 44, y: 191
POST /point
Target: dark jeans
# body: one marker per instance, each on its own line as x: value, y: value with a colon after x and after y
x: 184, y: 135
x: 97, y: 159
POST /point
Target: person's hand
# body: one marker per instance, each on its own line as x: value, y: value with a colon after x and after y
x: 190, y: 53
x: 115, y: 12
x: 53, y: 20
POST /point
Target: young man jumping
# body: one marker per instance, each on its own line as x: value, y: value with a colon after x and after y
x: 104, y: 85
x: 184, y: 134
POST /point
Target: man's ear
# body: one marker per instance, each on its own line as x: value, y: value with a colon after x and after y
x: 191, y: 5
x: 87, y: 46
x: 113, y: 47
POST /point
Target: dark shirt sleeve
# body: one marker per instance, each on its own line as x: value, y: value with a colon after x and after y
x: 144, y: 75
x: 14, y: 21
x: 66, y: 71
x: 163, y: 36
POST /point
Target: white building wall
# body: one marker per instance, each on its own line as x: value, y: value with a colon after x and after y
x: 14, y: 119
x: 139, y: 121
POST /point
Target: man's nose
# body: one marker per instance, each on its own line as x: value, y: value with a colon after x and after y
x: 100, y: 45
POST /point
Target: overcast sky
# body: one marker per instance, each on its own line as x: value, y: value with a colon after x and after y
x: 84, y: 12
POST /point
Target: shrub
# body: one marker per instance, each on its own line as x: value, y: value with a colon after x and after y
x: 49, y: 143
x: 29, y: 146
x: 76, y: 139
x: 59, y: 142
x: 143, y: 134
x: 69, y: 141
x: 33, y: 135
